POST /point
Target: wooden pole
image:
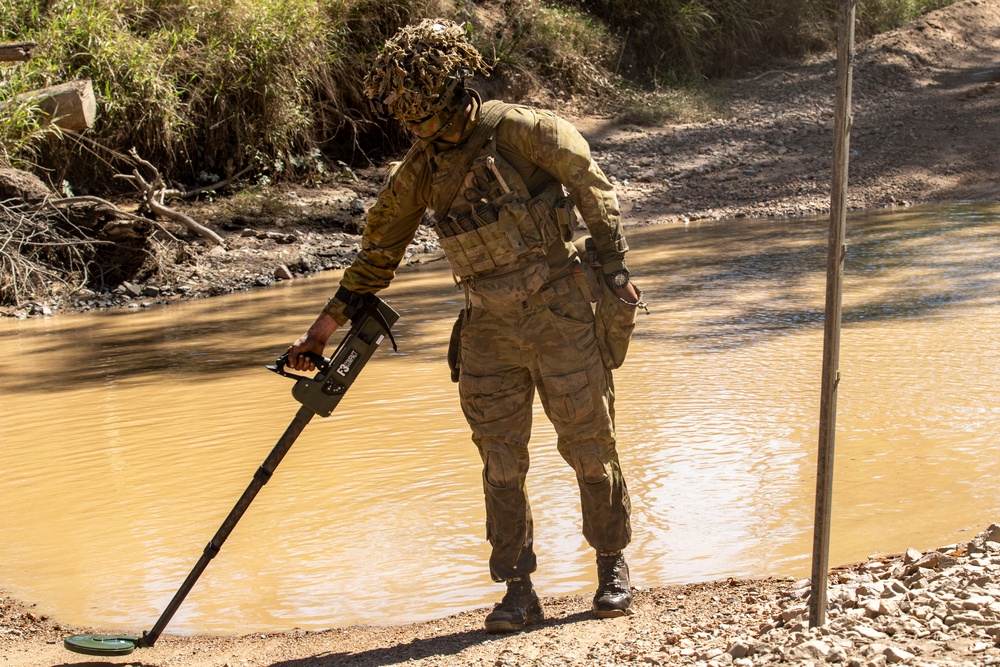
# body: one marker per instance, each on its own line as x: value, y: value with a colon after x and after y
x: 837, y: 250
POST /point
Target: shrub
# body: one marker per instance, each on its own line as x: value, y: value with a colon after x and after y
x: 213, y: 87
x: 681, y: 40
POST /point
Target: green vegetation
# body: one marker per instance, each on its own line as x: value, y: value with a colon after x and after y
x: 204, y: 90
x: 674, y: 41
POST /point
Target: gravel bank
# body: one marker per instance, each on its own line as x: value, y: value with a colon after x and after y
x: 928, y: 609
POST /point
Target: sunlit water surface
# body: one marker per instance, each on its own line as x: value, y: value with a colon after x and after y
x: 128, y: 436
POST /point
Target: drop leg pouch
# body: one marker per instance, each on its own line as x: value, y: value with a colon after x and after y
x: 615, y: 322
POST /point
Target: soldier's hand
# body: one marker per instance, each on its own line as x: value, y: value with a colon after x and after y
x: 627, y: 293
x: 314, y: 340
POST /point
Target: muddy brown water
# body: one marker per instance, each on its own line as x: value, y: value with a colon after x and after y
x: 128, y: 436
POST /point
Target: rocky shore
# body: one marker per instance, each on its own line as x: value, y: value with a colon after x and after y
x: 936, y: 608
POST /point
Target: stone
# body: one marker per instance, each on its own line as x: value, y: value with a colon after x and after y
x: 815, y: 649
x: 894, y: 655
x: 22, y: 185
x: 888, y: 607
x: 131, y: 289
x: 739, y: 649
x: 283, y: 273
x: 978, y: 602
x: 912, y: 556
x: 873, y: 589
x: 968, y: 618
x: 711, y: 654
x: 869, y: 633
x: 836, y: 655
x: 793, y: 613
x: 898, y: 588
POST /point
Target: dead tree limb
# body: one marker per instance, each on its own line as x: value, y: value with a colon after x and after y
x: 215, y: 186
x: 154, y: 192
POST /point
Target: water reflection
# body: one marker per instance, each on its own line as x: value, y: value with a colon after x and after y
x: 129, y: 436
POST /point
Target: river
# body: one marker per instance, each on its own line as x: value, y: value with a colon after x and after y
x: 128, y: 436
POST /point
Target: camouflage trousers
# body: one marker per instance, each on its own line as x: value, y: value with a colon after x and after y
x: 546, y: 344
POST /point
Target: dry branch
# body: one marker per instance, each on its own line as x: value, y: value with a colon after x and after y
x: 36, y: 254
x: 154, y: 192
x: 215, y: 186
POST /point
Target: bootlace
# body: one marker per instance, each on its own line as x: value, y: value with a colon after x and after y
x: 611, y: 573
x: 517, y: 591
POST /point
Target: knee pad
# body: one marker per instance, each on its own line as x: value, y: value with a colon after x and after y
x: 500, y: 468
x: 589, y: 464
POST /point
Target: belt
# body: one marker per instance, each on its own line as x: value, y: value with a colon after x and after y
x: 555, y: 287
x: 550, y: 290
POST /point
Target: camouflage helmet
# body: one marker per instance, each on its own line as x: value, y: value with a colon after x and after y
x: 420, y: 68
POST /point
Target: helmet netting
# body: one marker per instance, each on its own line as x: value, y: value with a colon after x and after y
x: 420, y: 67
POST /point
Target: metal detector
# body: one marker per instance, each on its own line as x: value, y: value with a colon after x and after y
x: 371, y: 322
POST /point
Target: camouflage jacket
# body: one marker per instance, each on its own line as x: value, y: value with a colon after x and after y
x: 542, y: 148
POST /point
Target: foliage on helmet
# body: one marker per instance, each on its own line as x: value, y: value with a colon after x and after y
x: 420, y: 68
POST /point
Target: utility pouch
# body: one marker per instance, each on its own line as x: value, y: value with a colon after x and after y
x: 566, y: 217
x: 614, y: 319
x: 455, y: 346
x: 587, y: 280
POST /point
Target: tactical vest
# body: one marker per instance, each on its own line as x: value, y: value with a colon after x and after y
x: 494, y: 233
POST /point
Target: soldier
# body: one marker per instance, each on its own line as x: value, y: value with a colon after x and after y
x: 496, y: 177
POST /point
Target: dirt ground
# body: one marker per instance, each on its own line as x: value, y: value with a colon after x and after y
x: 926, y: 127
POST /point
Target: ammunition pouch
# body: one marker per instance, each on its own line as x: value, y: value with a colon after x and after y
x: 492, y: 237
x: 497, y: 238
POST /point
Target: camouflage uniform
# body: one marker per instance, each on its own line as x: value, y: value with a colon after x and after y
x: 545, y: 342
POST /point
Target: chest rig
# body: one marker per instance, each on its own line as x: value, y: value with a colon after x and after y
x: 493, y: 232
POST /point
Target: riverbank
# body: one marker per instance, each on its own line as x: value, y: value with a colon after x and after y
x: 926, y: 109
x: 940, y: 607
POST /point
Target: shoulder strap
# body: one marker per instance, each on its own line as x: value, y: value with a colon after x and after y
x: 492, y: 113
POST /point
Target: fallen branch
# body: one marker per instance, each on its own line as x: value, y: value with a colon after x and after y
x: 215, y: 186
x: 104, y: 203
x: 70, y: 106
x: 154, y: 191
x: 35, y: 255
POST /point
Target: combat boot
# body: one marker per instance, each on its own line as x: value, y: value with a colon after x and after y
x: 519, y: 607
x: 614, y: 594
